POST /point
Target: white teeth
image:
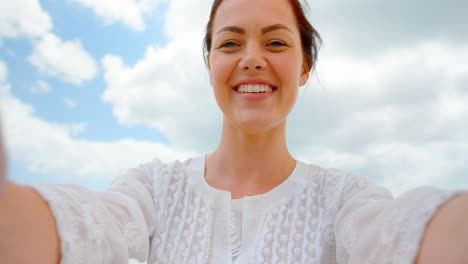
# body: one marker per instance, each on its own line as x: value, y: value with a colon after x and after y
x: 255, y: 88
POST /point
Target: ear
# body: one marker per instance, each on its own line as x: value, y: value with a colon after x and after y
x: 209, y: 69
x: 304, y: 75
x: 207, y: 61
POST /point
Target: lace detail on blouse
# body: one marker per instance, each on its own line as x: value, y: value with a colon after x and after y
x: 185, y: 220
x: 291, y: 230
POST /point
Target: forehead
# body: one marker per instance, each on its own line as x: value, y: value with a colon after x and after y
x: 254, y: 13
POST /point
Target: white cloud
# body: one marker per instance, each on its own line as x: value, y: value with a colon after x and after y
x: 53, y: 148
x: 40, y: 87
x: 398, y: 117
x: 23, y: 18
x: 168, y: 90
x: 64, y: 59
x: 184, y: 17
x: 128, y: 12
x: 369, y: 27
x: 67, y: 60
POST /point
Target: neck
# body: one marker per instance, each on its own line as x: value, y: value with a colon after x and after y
x: 247, y: 163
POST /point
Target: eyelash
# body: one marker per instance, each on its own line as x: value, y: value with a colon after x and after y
x: 277, y: 43
x: 229, y: 44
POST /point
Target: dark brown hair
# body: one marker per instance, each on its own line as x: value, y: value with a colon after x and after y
x: 310, y: 38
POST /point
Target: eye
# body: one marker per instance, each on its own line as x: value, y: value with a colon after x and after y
x: 277, y: 43
x: 229, y: 44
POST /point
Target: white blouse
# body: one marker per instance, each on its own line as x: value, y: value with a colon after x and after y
x: 167, y: 213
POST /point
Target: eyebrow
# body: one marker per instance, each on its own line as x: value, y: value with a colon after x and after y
x: 265, y: 30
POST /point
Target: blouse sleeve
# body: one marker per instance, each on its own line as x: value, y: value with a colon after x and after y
x: 372, y: 227
x: 108, y: 226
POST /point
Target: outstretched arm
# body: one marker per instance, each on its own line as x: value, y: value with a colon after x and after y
x: 446, y: 237
x: 27, y: 228
x: 425, y: 225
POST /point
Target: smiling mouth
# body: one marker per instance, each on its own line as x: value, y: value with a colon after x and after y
x: 255, y: 88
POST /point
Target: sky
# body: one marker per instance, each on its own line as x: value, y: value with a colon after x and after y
x: 89, y: 89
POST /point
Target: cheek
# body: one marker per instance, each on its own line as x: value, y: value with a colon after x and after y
x: 220, y: 71
x: 218, y: 79
x: 289, y: 69
x: 220, y: 68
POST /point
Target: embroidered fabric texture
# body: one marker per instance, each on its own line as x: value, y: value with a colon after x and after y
x: 164, y: 213
x: 236, y: 228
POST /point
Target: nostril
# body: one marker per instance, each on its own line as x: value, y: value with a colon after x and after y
x: 257, y: 67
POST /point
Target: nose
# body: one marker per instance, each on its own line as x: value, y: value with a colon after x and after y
x: 253, y: 59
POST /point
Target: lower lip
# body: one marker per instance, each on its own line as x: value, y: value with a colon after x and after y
x: 255, y: 96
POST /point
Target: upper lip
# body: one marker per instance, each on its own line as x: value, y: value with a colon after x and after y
x: 254, y: 81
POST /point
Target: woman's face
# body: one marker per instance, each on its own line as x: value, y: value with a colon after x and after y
x: 256, y: 62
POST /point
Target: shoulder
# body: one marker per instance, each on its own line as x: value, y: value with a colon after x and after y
x: 326, y: 177
x: 156, y: 171
x: 337, y: 186
x: 157, y: 167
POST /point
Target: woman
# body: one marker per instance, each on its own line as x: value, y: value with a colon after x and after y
x: 249, y: 201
